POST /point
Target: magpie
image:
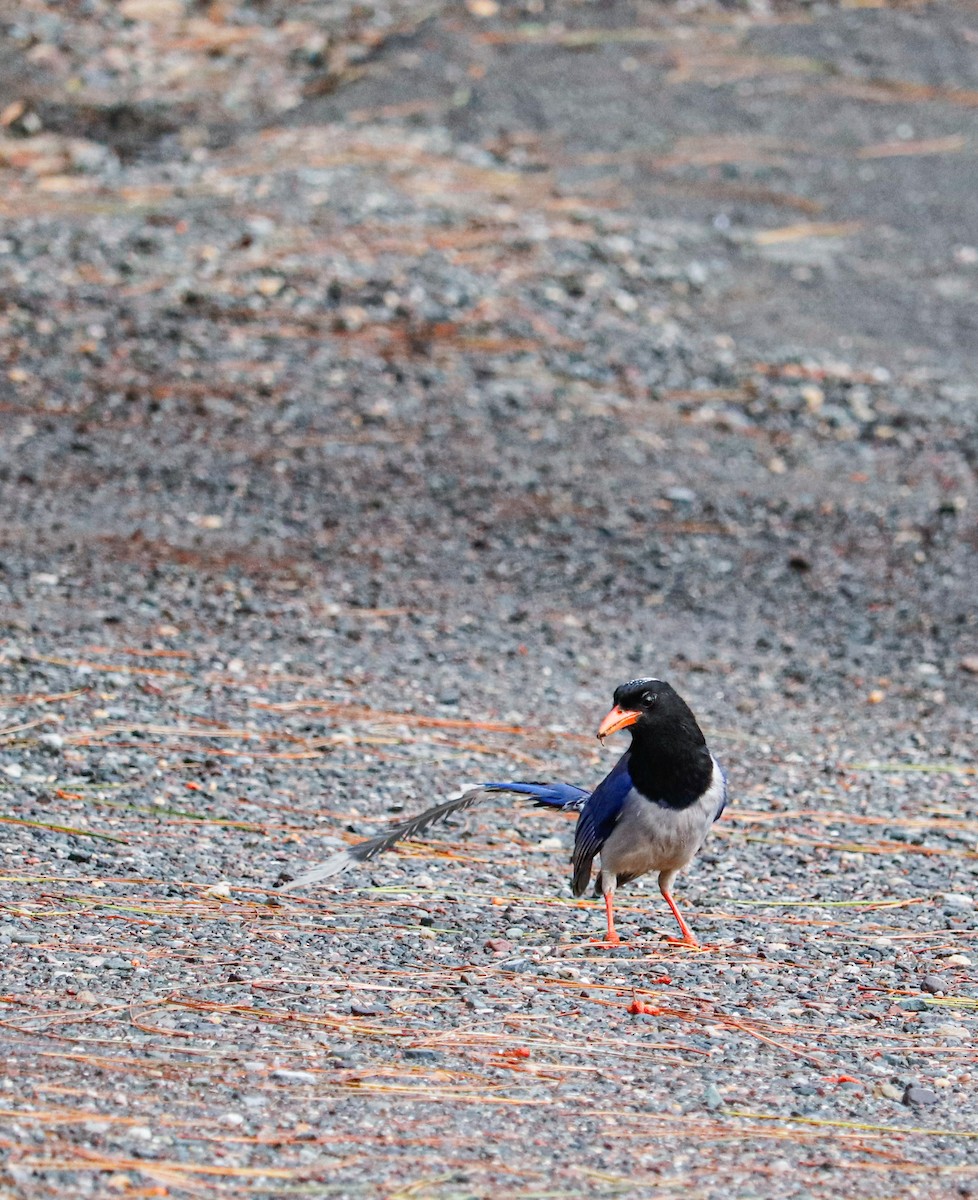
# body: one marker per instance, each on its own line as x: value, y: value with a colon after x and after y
x: 652, y: 812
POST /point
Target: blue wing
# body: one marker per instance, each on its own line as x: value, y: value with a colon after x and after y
x: 547, y: 795
x: 598, y: 816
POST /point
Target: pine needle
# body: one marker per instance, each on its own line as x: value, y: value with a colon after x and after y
x: 103, y: 837
x: 899, y: 1130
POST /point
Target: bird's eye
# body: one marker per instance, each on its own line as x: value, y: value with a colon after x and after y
x: 649, y: 699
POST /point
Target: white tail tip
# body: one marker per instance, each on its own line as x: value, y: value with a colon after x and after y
x: 332, y: 866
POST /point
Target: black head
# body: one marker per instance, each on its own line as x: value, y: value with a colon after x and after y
x: 668, y: 761
x: 647, y: 705
x: 642, y: 695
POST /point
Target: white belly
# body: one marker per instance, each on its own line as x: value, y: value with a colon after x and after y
x: 651, y: 837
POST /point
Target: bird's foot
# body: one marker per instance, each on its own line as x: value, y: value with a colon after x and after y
x: 614, y: 940
x: 683, y: 941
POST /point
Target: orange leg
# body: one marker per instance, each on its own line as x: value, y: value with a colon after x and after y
x: 611, y: 937
x: 688, y: 938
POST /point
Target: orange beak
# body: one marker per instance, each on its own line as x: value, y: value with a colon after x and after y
x: 618, y: 718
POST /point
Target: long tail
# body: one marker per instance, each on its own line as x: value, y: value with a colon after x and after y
x: 555, y: 795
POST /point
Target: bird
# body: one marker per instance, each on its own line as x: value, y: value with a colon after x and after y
x: 651, y: 812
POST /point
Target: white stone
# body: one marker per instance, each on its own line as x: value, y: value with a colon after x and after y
x: 953, y: 1031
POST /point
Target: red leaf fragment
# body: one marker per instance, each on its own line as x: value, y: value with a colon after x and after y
x: 637, y: 1006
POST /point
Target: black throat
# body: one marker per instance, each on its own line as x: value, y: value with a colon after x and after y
x: 670, y: 763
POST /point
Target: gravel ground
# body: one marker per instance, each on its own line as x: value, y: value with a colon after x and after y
x: 381, y: 387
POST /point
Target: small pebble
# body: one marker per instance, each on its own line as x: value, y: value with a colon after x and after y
x: 933, y: 984
x: 915, y: 1004
x: 915, y: 1096
x: 951, y: 1030
x: 499, y: 946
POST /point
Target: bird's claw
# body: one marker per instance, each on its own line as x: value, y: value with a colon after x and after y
x: 692, y: 943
